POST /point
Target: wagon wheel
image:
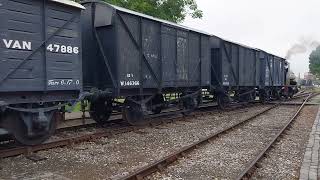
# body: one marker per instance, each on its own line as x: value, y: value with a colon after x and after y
x: 268, y: 95
x: 19, y: 129
x: 100, y: 110
x: 244, y: 96
x: 262, y: 96
x: 158, y: 101
x: 133, y: 113
x: 276, y: 95
x: 253, y: 96
x: 189, y: 105
x: 284, y: 94
x: 290, y: 94
x: 223, y: 101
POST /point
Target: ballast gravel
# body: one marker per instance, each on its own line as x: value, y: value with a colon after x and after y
x: 284, y: 160
x: 113, y: 158
x: 228, y: 155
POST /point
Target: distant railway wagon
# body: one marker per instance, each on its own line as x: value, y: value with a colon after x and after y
x: 40, y: 64
x: 236, y: 68
x: 139, y: 57
x: 273, y: 76
x: 246, y: 72
x: 272, y: 70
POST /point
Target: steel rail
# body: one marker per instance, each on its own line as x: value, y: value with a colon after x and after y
x: 160, y: 164
x: 28, y: 150
x: 77, y: 123
x: 253, y: 163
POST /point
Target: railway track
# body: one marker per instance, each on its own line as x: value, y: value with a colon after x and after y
x: 164, y: 162
x: 246, y: 173
x: 83, y: 120
x: 86, y: 121
x: 112, y: 130
x: 103, y: 133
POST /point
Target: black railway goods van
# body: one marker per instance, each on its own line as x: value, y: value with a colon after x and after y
x: 140, y: 57
x: 235, y: 68
x: 273, y: 75
x: 40, y: 64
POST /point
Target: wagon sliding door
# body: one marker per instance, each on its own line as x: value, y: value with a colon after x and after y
x: 169, y: 55
x: 182, y: 54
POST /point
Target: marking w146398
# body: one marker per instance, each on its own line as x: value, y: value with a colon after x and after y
x: 16, y: 44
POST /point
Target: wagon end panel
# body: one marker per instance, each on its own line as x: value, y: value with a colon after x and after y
x: 21, y: 26
x: 99, y: 47
x: 31, y: 60
x: 63, y: 52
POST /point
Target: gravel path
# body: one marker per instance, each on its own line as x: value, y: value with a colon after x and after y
x: 115, y: 157
x: 227, y: 155
x: 285, y: 158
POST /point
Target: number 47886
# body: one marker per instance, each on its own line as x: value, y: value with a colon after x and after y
x: 62, y: 49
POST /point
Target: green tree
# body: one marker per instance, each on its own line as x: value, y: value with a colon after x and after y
x: 171, y: 10
x: 314, y: 62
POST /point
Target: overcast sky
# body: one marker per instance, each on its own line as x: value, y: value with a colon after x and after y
x: 271, y: 25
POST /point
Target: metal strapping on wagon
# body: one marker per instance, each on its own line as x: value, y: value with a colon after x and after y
x: 69, y: 3
x: 150, y: 17
x: 37, y: 49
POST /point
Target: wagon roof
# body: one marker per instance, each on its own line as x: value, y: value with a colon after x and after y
x: 282, y: 58
x: 257, y: 49
x: 148, y: 17
x: 69, y: 3
x: 243, y: 45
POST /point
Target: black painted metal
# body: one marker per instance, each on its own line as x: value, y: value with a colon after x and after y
x: 229, y: 59
x: 146, y: 54
x: 235, y: 64
x: 272, y: 70
x: 101, y: 50
x: 27, y: 69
